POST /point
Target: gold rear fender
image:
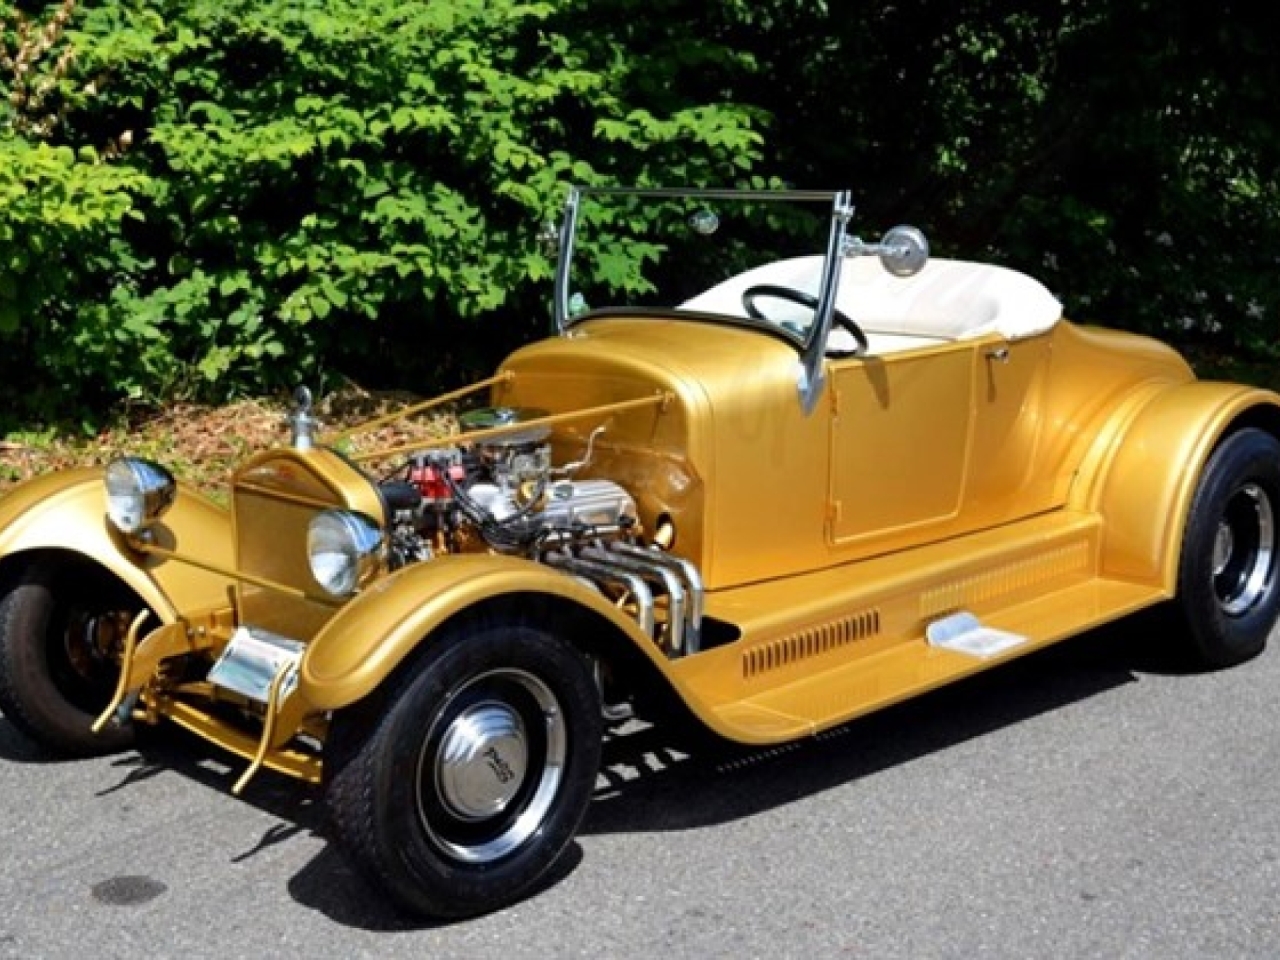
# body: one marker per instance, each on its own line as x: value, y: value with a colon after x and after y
x: 1143, y: 474
x: 369, y: 637
x: 66, y: 511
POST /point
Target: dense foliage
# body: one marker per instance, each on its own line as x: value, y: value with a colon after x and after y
x: 202, y: 198
x: 1127, y: 154
x: 293, y: 185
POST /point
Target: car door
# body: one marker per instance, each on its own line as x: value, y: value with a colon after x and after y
x: 901, y: 433
x: 938, y: 441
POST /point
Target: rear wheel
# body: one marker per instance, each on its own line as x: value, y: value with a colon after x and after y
x: 465, y: 790
x: 63, y: 625
x: 1228, y: 596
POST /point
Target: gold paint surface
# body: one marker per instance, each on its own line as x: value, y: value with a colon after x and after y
x: 1041, y: 485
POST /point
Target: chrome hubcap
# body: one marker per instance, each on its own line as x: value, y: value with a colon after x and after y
x: 491, y: 766
x: 1244, y: 549
x: 483, y: 758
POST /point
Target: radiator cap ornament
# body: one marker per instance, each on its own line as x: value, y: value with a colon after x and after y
x: 302, y: 425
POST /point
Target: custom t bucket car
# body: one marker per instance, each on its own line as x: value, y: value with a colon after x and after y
x: 819, y: 486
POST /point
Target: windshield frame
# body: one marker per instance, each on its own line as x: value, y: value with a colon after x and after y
x: 810, y: 374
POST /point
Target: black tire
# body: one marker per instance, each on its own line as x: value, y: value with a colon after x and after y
x: 458, y: 792
x: 1228, y: 598
x: 63, y: 625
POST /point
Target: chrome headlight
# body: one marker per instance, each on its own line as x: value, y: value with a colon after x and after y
x: 138, y: 493
x: 342, y: 548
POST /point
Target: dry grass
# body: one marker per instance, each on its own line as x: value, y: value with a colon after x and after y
x: 203, y: 445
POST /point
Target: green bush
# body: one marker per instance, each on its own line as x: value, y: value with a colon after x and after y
x: 1125, y: 153
x: 203, y: 198
x: 62, y: 217
x: 299, y: 187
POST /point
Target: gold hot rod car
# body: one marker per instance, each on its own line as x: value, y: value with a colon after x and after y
x: 820, y: 485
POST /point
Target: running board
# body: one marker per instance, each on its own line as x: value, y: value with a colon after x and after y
x: 868, y: 683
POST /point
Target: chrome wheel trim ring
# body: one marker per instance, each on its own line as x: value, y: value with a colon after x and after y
x: 489, y: 771
x: 1223, y: 546
x: 1244, y: 550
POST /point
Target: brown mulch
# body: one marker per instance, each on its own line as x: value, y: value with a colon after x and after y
x: 203, y: 445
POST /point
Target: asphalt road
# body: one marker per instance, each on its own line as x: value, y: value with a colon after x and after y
x: 1083, y: 802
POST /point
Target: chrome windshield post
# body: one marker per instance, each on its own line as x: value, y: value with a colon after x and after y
x: 812, y: 375
x: 568, y: 227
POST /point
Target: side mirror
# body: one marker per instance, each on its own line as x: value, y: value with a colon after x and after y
x: 904, y: 251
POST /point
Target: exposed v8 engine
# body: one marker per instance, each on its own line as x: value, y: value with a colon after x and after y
x: 499, y: 492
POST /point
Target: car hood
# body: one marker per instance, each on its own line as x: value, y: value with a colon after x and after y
x: 713, y: 359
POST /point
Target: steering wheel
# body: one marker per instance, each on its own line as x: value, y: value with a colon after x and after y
x: 751, y: 294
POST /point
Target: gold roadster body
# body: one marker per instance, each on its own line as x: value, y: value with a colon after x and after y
x: 819, y: 486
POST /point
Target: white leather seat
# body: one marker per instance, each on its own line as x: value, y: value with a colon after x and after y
x: 947, y: 300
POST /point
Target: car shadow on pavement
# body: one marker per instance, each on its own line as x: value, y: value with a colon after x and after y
x: 649, y: 784
x: 169, y: 748
x: 327, y: 883
x: 330, y: 885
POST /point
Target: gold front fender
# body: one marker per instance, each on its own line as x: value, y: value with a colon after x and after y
x: 66, y: 511
x: 1145, y: 473
x: 368, y: 638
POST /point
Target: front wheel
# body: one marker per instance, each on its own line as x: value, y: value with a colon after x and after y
x: 63, y: 625
x: 1228, y: 596
x: 463, y: 793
